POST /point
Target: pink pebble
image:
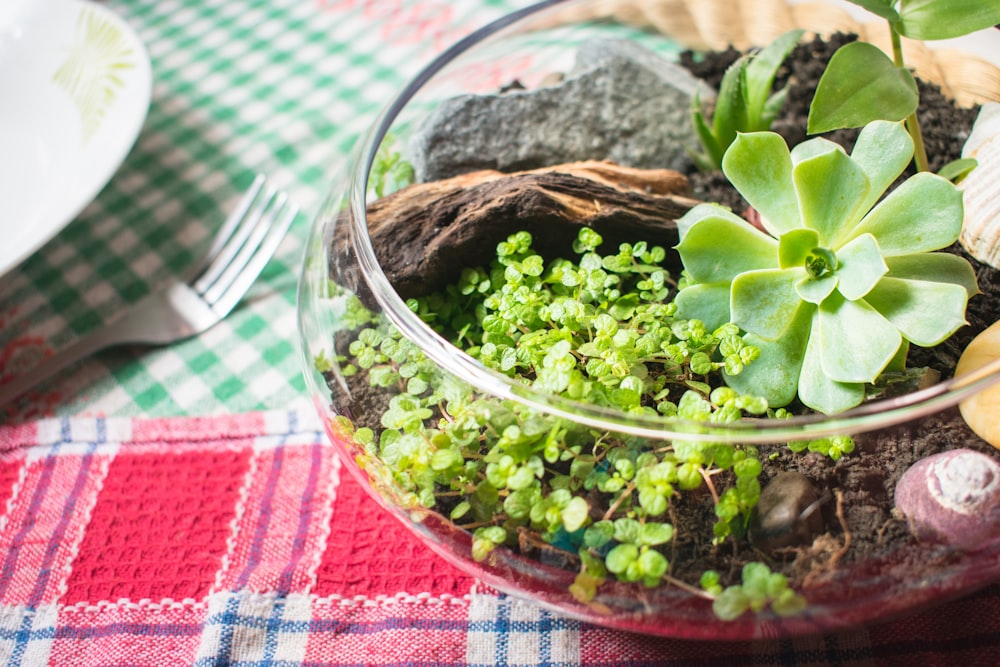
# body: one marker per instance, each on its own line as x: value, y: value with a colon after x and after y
x: 952, y: 498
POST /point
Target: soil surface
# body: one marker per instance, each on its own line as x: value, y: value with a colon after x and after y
x: 856, y: 492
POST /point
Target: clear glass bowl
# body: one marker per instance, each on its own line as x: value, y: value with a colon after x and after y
x: 342, y: 271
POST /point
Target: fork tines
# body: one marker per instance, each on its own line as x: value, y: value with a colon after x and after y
x: 244, y: 244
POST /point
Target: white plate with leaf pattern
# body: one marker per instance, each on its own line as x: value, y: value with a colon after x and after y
x: 76, y: 84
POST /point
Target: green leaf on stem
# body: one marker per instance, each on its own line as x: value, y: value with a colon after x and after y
x: 956, y: 170
x: 861, y: 84
x: 944, y: 19
x: 882, y: 8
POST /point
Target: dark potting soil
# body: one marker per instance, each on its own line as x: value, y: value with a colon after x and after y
x: 857, y: 490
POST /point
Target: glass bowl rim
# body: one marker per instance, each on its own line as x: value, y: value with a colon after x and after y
x: 865, y: 417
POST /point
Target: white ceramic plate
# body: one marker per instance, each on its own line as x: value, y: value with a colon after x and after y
x: 75, y: 85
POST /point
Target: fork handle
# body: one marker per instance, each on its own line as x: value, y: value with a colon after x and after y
x: 81, y: 348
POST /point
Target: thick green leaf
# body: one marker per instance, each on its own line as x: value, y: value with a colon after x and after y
x: 924, y: 312
x: 856, y: 341
x: 861, y: 267
x: 944, y: 19
x: 795, y: 246
x: 708, y: 303
x: 764, y: 302
x: 882, y: 150
x: 759, y: 165
x: 702, y: 211
x: 924, y: 213
x: 831, y: 189
x: 818, y: 391
x: 760, y: 73
x: 939, y: 267
x: 815, y: 290
x: 717, y: 249
x: 775, y: 373
x: 861, y: 84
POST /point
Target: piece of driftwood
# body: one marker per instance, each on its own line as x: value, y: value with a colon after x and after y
x: 425, y: 234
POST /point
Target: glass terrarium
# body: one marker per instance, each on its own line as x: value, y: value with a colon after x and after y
x: 491, y: 334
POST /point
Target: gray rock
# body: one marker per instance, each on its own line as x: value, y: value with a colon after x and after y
x: 620, y: 102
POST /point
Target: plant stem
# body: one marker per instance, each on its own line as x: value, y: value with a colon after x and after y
x: 912, y: 124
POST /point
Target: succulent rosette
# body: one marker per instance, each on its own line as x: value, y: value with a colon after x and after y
x: 843, y: 280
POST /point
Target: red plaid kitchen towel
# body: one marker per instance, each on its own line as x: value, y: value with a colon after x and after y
x: 240, y: 540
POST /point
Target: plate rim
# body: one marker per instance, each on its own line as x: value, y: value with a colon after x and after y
x: 83, y: 195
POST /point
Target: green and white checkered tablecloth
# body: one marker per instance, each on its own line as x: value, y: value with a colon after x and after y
x: 282, y: 87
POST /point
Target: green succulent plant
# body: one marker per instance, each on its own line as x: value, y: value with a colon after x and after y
x: 841, y: 281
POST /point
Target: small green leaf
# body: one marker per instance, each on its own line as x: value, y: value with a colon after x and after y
x: 653, y: 565
x: 944, y: 19
x: 956, y: 170
x: 575, y: 514
x: 816, y: 290
x: 731, y: 603
x: 621, y: 557
x: 598, y: 534
x: 626, y: 530
x: 861, y: 84
x: 652, y: 534
x: 795, y: 246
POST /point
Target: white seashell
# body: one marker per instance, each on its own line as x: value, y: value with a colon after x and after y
x: 981, y: 229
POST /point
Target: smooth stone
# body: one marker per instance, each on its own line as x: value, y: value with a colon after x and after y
x: 787, y: 514
x: 982, y: 410
x: 620, y: 102
x: 952, y: 498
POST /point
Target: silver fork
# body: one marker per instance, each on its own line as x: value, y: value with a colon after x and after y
x: 238, y: 254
